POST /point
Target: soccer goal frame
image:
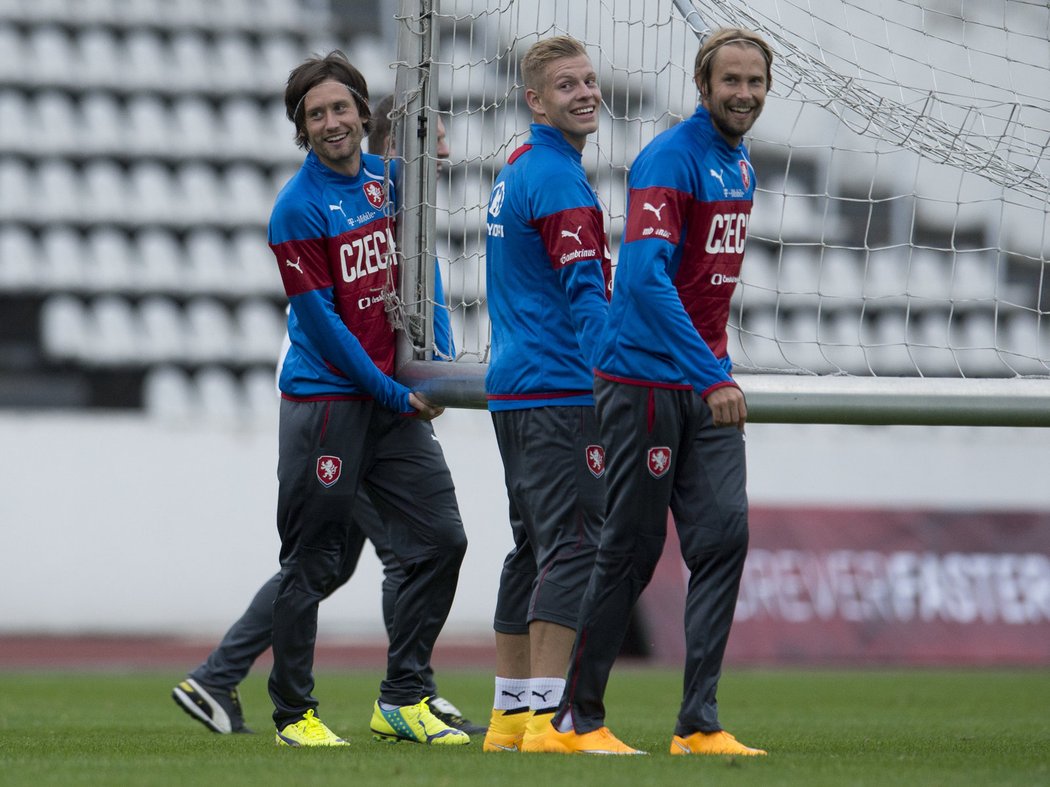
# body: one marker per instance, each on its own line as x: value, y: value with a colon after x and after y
x: 1011, y: 155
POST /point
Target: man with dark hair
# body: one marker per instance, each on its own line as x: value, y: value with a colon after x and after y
x: 346, y: 422
x: 548, y: 275
x: 672, y: 417
x: 209, y: 693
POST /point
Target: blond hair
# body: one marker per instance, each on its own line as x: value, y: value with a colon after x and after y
x: 541, y: 54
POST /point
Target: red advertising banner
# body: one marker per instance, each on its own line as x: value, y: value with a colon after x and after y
x: 860, y: 587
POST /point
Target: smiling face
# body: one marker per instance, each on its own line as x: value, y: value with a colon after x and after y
x: 736, y: 90
x: 334, y: 127
x: 568, y: 100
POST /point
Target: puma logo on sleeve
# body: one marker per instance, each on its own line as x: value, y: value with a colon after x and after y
x: 576, y: 235
x: 657, y: 211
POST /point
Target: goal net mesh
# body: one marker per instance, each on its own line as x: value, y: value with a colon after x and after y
x: 900, y: 226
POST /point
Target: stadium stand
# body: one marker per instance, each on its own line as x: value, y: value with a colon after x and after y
x: 143, y: 141
x: 141, y: 146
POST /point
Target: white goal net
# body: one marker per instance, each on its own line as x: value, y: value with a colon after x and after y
x: 900, y: 229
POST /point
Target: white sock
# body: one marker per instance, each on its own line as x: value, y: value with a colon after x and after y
x: 566, y: 722
x: 545, y: 693
x: 511, y: 693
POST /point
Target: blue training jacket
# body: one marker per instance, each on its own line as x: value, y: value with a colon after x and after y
x: 688, y: 207
x: 547, y: 276
x: 330, y: 235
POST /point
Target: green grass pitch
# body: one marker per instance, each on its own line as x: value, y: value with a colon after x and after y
x: 917, y: 727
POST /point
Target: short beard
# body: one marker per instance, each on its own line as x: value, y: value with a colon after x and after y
x: 732, y: 132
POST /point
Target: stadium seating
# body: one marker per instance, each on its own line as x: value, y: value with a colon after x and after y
x: 142, y: 143
x: 141, y: 146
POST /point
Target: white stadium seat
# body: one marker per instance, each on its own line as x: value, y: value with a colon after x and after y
x: 974, y: 276
x: 928, y: 333
x: 205, y: 262
x: 152, y: 197
x: 101, y: 128
x: 62, y: 259
x: 194, y: 126
x: 54, y: 123
x: 63, y: 328
x: 240, y: 119
x: 16, y: 133
x: 13, y: 62
x: 48, y: 57
x: 146, y: 61
x: 885, y: 276
x: 928, y: 270
x: 976, y: 341
x: 886, y: 344
x: 278, y: 55
x: 260, y: 395
x: 252, y: 267
x: 112, y: 332
x: 58, y: 196
x: 249, y: 196
x: 168, y: 394
x: 19, y: 259
x: 105, y: 191
x: 108, y: 265
x: 191, y: 68
x: 149, y: 126
x: 758, y: 277
x: 199, y: 193
x: 17, y: 190
x: 161, y: 330
x: 158, y: 262
x: 219, y: 397
x: 235, y: 63
x: 97, y: 58
x: 260, y: 327
x: 841, y: 273
x: 209, y: 331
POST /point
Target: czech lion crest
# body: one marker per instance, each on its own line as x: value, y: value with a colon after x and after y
x: 659, y: 461
x: 329, y: 468
x: 595, y: 460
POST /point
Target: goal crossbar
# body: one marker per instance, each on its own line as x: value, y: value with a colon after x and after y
x: 779, y: 398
